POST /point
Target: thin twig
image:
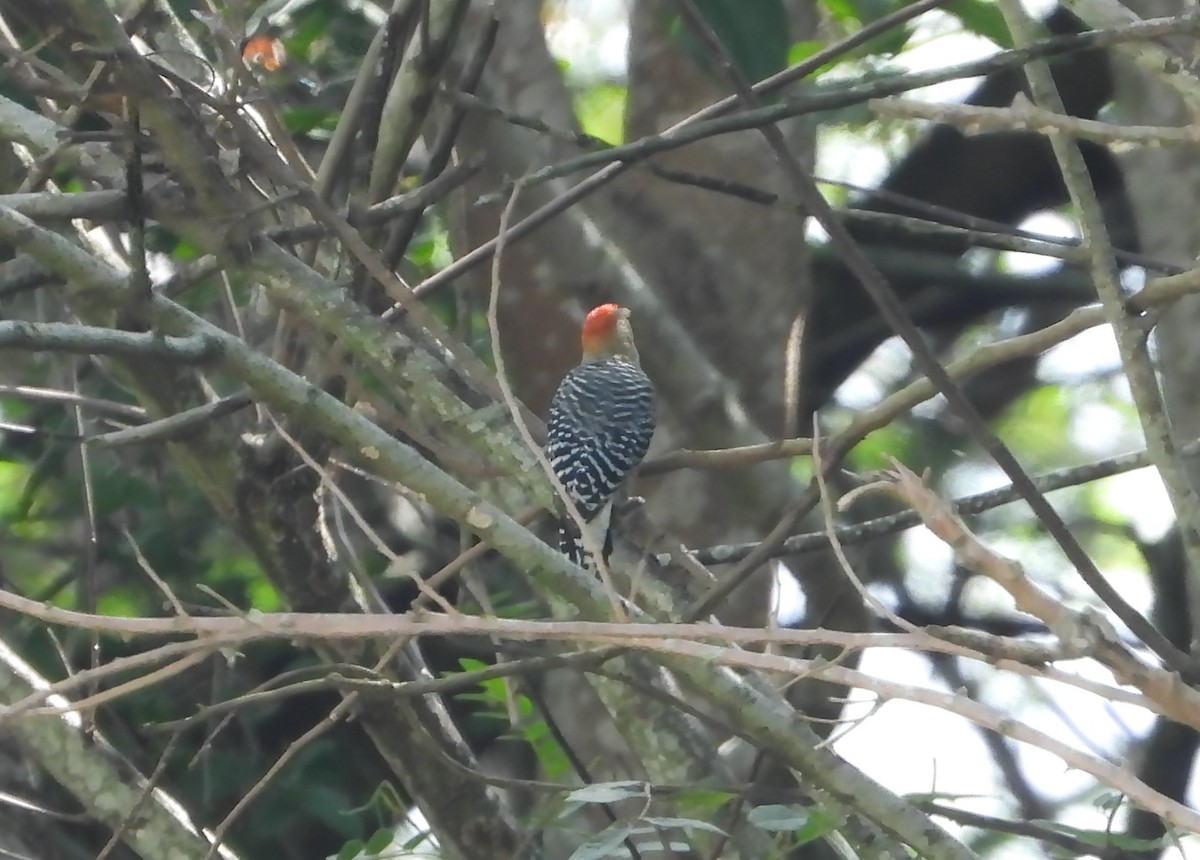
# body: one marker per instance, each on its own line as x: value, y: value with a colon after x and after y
x: 173, y: 427
x: 975, y: 504
x: 1026, y: 116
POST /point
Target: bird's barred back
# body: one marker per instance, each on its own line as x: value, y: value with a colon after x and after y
x: 600, y: 424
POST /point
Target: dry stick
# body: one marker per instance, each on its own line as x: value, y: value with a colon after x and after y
x: 148, y: 569
x: 793, y: 368
x: 1014, y: 655
x: 830, y: 518
x: 1086, y: 632
x: 306, y: 626
x: 975, y: 504
x: 236, y: 630
x: 115, y: 666
x: 893, y: 311
x: 95, y: 404
x: 518, y: 418
x: 92, y: 701
x: 1027, y: 116
x: 227, y: 630
x: 1075, y: 847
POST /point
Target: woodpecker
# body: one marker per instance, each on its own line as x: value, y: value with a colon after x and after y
x: 600, y: 424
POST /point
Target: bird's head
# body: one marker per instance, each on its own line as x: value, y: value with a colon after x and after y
x: 607, y: 334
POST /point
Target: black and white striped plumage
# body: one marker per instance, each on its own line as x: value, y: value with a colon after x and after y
x: 600, y: 424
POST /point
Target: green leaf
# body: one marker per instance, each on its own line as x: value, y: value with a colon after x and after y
x: 850, y: 15
x: 608, y: 792
x: 379, y: 841
x: 1035, y: 423
x: 754, y: 32
x: 702, y: 801
x: 301, y: 120
x: 982, y: 17
x: 819, y: 823
x: 416, y: 840
x: 842, y: 11
x: 778, y: 819
x: 601, y: 112
x: 605, y: 845
x: 801, y: 51
x: 351, y: 849
x: 874, y: 451
x: 550, y: 756
x: 384, y: 802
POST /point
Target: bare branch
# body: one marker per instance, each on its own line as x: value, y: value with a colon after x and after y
x: 91, y: 340
x: 1026, y: 116
x: 871, y: 529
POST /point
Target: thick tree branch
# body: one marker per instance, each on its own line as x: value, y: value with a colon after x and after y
x: 92, y: 340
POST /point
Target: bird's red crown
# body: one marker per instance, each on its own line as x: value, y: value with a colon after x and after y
x: 600, y: 327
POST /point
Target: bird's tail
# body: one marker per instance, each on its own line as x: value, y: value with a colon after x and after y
x: 575, y: 545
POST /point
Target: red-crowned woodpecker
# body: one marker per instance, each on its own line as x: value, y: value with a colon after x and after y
x: 601, y: 421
